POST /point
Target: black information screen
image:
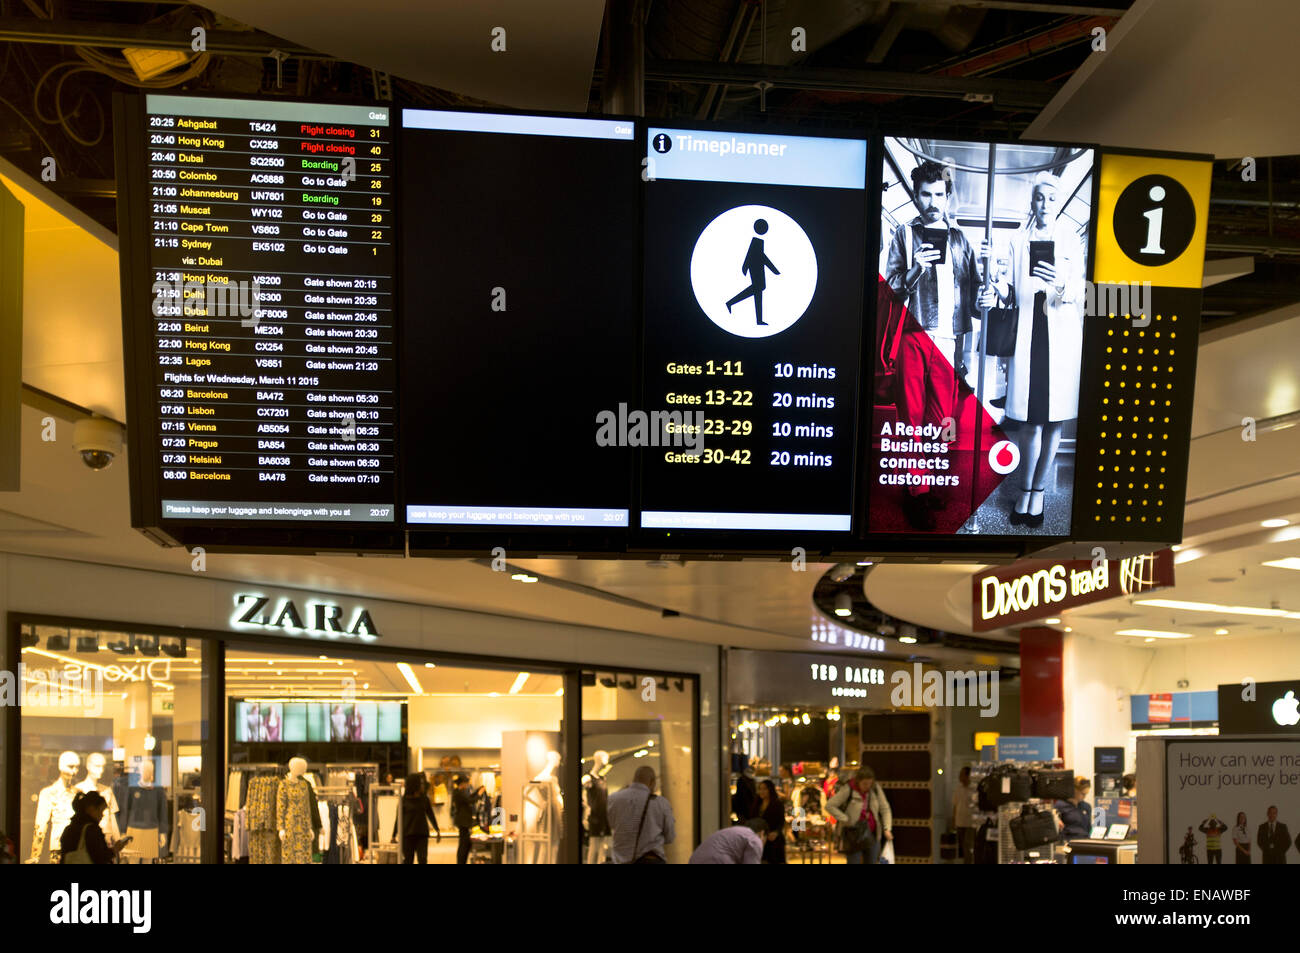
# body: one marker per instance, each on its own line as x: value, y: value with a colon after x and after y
x: 269, y: 318
x: 754, y: 263
x: 519, y: 321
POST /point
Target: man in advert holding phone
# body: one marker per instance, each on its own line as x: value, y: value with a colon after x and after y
x: 932, y: 267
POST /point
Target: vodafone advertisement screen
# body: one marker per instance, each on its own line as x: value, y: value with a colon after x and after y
x: 981, y: 290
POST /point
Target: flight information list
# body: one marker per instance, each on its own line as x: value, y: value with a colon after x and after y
x: 271, y: 229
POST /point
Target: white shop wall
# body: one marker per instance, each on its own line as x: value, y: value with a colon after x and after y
x: 59, y: 587
x: 455, y: 723
x: 1208, y: 664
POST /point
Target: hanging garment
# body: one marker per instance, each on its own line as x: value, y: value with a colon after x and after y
x: 295, y: 808
x: 598, y: 802
x: 233, y: 790
x: 263, y: 836
x: 239, y: 837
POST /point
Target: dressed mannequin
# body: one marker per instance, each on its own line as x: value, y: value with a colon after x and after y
x: 296, y: 814
x: 54, y: 807
x: 93, y: 781
x: 146, y: 815
x: 596, y: 795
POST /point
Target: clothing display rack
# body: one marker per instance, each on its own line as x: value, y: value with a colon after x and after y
x: 384, y: 849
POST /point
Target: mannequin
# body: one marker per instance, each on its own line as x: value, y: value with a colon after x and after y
x: 54, y: 807
x: 543, y: 812
x: 93, y: 781
x: 146, y: 814
x: 596, y: 794
x: 296, y: 814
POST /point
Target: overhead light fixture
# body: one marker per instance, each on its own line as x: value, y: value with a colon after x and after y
x: 805, y: 718
x: 122, y: 644
x: 1052, y: 621
x: 1290, y: 562
x: 1067, y: 629
x: 1176, y: 548
x: 1220, y: 631
x: 1148, y: 640
x: 58, y: 643
x: 907, y: 639
x: 1276, y: 523
x: 147, y: 645
x: 559, y: 691
x: 409, y: 674
x: 430, y: 665
x: 1187, y: 555
x: 523, y: 577
x: 1150, y: 634
x: 609, y: 681
x: 519, y: 683
x: 1217, y: 608
x: 28, y: 638
x: 173, y: 646
x: 844, y: 605
x: 865, y: 562
x: 88, y: 643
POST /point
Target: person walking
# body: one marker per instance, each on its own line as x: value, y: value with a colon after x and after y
x: 865, y: 818
x: 742, y: 844
x: 462, y: 816
x: 642, y: 821
x: 755, y: 268
x: 963, y: 819
x: 82, y: 841
x: 1213, y: 829
x: 1241, y: 839
x: 772, y: 810
x: 417, y: 815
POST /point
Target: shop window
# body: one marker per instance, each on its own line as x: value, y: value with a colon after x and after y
x: 633, y: 721
x: 119, y: 714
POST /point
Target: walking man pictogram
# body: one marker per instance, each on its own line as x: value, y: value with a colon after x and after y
x: 755, y: 268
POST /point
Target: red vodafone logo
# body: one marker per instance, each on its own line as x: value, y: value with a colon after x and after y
x: 1004, y: 456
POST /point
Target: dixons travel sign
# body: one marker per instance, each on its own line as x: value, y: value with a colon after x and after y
x: 1037, y: 589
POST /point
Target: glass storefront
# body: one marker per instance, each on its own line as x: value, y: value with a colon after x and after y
x: 319, y: 747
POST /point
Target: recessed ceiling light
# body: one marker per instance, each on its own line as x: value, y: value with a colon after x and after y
x: 430, y: 665
x: 865, y: 563
x: 1148, y: 640
x: 1176, y: 549
x: 907, y: 639
x: 1290, y: 562
x: 1151, y: 634
x: 519, y: 683
x: 1220, y: 631
x: 1052, y: 621
x: 1068, y: 629
x: 1217, y: 608
x: 523, y: 577
x: 1275, y: 523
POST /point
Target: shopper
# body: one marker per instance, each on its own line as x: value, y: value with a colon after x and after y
x: 462, y: 815
x: 772, y: 810
x: 963, y: 819
x: 742, y: 844
x: 742, y: 802
x: 417, y: 815
x: 82, y: 841
x: 865, y: 818
x: 642, y: 822
x: 1213, y: 829
x: 1075, y: 812
x: 1274, y: 839
x: 1241, y: 839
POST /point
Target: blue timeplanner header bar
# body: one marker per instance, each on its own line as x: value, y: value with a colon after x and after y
x: 517, y: 125
x: 810, y: 522
x: 514, y: 516
x: 697, y: 156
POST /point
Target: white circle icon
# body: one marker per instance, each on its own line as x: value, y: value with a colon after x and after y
x: 753, y: 271
x: 1004, y: 456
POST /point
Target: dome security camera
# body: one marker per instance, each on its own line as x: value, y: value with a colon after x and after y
x: 98, y: 440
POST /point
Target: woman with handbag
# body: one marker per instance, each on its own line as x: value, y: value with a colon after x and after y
x: 1045, y: 295
x: 83, y: 841
x: 865, y: 818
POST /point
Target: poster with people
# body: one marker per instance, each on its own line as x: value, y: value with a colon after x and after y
x: 1232, y: 802
x: 979, y: 337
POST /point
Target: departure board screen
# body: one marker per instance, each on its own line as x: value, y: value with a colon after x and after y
x: 269, y: 319
x: 754, y: 263
x: 519, y: 328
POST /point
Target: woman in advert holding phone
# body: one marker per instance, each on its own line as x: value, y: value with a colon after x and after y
x: 1046, y: 289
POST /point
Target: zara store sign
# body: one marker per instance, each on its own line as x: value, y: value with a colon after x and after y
x: 317, y: 618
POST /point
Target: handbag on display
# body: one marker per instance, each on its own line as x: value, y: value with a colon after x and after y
x: 1033, y: 828
x: 1054, y: 784
x: 1002, y: 325
x: 1003, y: 785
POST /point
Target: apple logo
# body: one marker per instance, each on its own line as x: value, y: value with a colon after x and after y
x: 1286, y: 710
